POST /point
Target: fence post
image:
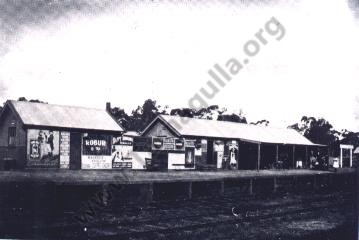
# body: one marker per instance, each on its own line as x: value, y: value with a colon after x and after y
x: 150, y: 193
x: 190, y: 190
x: 251, y: 186
x: 221, y: 191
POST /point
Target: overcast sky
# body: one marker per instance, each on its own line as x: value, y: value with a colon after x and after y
x: 89, y: 52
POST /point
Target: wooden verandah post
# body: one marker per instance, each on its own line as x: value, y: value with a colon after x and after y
x: 306, y: 156
x: 259, y: 156
x: 277, y: 156
x: 293, y: 157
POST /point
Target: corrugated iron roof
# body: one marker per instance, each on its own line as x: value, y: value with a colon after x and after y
x: 230, y: 130
x: 48, y: 115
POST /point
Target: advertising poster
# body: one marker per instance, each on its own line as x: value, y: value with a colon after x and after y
x: 64, y: 150
x: 142, y: 144
x: 232, y: 147
x: 191, y: 144
x: 96, y: 151
x: 189, y: 157
x: 158, y: 143
x: 34, y: 149
x: 122, y: 153
x: 168, y: 144
x: 179, y: 144
x: 96, y: 162
x: 43, y: 148
x: 218, y: 148
x: 96, y: 145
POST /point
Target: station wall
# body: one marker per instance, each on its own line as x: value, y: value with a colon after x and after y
x: 12, y: 151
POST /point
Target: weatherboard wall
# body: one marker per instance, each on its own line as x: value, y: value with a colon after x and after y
x: 159, y: 130
x: 14, y: 155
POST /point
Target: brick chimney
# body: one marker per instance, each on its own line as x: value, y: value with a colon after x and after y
x: 108, y: 107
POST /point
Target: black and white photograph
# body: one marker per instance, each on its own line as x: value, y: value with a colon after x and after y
x: 179, y: 119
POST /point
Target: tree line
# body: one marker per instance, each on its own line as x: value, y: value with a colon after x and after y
x: 317, y: 130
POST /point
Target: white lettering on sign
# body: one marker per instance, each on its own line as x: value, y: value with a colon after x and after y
x: 100, y: 143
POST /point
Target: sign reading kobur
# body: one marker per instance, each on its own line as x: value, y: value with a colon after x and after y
x: 96, y: 144
x: 96, y: 151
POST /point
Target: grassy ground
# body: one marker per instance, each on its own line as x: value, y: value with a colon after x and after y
x: 173, y: 220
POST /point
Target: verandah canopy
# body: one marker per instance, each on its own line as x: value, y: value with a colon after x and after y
x: 183, y: 126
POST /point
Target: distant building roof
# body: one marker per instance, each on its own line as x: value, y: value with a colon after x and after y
x: 48, y: 115
x: 131, y: 134
x: 183, y: 126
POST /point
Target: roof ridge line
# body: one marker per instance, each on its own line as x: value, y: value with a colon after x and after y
x: 245, y: 124
x: 58, y: 105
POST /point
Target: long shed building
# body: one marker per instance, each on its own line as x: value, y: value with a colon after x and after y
x: 229, y: 145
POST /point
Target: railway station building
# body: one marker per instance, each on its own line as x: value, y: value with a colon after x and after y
x: 39, y: 135
x: 212, y: 144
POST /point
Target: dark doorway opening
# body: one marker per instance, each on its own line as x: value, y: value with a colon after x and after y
x: 159, y: 160
x: 248, y: 156
x: 210, y: 154
x: 75, y: 151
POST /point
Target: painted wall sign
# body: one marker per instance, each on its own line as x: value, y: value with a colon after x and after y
x: 219, y: 146
x: 64, y: 150
x: 168, y: 144
x: 96, y: 151
x: 43, y: 148
x: 122, y: 153
x: 189, y: 157
x: 179, y: 143
x: 142, y: 144
x: 34, y: 149
x: 191, y: 144
x: 96, y: 162
x: 96, y: 145
x: 231, y: 152
x: 204, y: 145
x: 122, y: 165
x: 121, y: 141
x: 157, y: 143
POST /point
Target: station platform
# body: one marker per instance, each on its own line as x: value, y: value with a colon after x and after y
x: 96, y: 177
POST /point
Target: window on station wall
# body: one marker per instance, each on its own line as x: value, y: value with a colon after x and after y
x: 12, y: 135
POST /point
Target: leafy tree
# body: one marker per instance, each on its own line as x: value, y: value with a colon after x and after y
x: 261, y: 123
x: 183, y: 112
x: 163, y: 109
x: 23, y: 99
x: 212, y: 112
x: 121, y: 117
x: 232, y: 118
x: 145, y: 114
x: 319, y: 131
x: 349, y: 137
x: 140, y: 117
